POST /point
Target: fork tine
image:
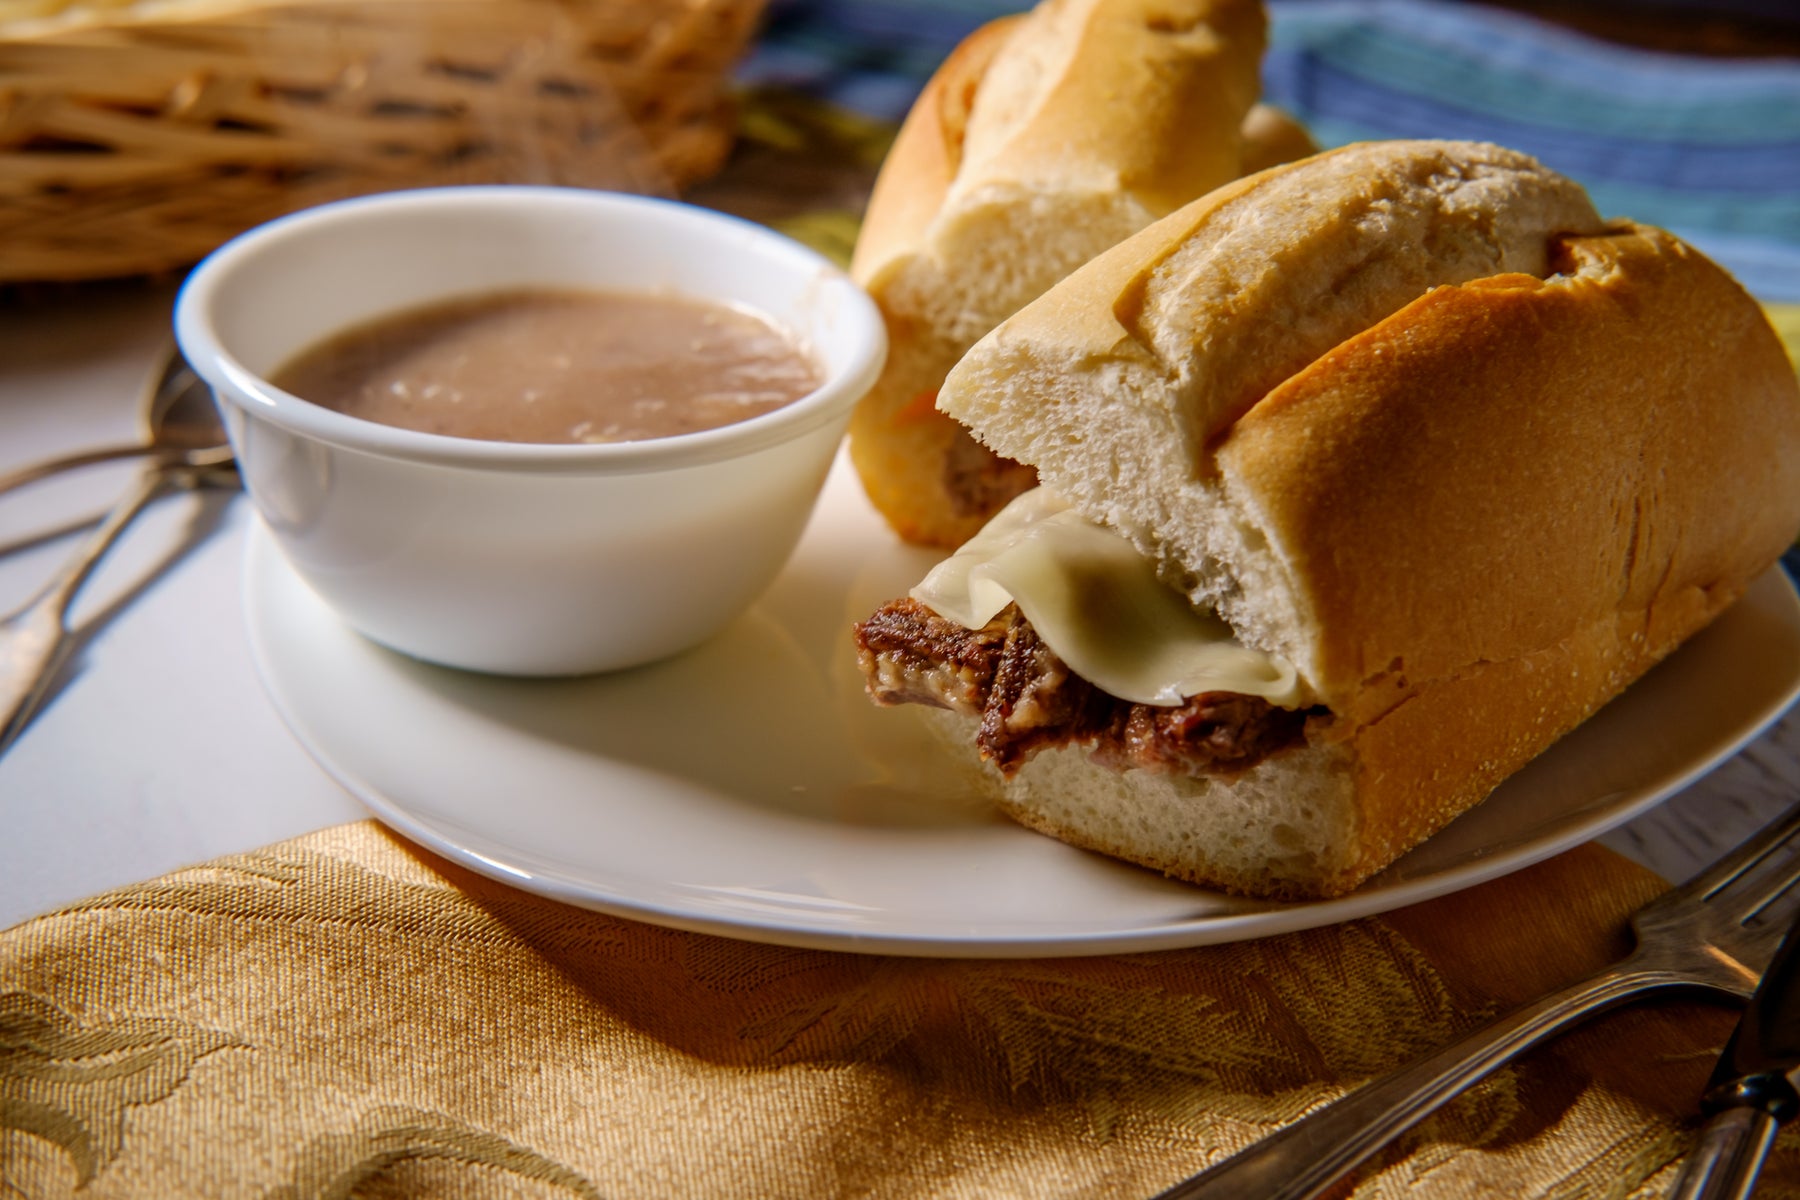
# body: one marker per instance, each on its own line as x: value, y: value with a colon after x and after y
x: 1765, y: 891
x: 1735, y: 869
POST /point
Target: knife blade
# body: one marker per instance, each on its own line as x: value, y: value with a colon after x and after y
x: 1753, y: 1087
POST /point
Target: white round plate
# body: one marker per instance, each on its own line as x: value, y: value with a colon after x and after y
x: 748, y: 788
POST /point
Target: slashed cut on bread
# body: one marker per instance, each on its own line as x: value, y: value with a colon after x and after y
x: 1044, y: 139
x: 1410, y: 416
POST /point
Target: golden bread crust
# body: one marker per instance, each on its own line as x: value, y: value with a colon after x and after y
x: 1510, y: 499
x: 1143, y: 96
x: 923, y: 160
x: 1273, y: 137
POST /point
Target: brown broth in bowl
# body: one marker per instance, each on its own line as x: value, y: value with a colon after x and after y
x: 557, y: 366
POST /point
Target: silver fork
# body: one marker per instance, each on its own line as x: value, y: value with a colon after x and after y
x: 1717, y: 933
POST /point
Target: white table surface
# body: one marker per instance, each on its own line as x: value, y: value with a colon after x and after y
x: 159, y: 750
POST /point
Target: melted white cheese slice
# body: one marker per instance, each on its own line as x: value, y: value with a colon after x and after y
x: 1098, y: 604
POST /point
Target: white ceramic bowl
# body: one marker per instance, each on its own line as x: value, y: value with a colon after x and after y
x: 507, y: 557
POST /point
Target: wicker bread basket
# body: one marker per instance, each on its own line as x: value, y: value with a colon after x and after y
x: 135, y: 138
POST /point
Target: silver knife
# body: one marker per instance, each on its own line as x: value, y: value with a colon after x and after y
x: 1752, y: 1091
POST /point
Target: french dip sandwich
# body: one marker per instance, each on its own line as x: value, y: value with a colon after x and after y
x: 1363, y: 480
x: 1043, y: 140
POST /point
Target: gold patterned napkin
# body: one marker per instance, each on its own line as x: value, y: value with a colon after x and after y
x: 346, y: 1015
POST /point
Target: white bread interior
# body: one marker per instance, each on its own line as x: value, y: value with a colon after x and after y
x: 1469, y: 513
x: 1280, y: 829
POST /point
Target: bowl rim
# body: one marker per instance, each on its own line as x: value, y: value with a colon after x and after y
x: 234, y: 383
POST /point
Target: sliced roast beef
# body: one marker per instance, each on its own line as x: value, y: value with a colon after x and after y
x: 1028, y: 699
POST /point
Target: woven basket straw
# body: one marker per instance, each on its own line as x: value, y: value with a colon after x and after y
x: 135, y: 140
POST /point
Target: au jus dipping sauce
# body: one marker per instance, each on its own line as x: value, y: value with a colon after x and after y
x: 557, y: 366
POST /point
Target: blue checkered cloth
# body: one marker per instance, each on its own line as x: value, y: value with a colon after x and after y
x: 1707, y: 148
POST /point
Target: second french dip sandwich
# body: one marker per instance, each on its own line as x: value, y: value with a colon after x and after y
x: 1044, y: 139
x: 1363, y: 481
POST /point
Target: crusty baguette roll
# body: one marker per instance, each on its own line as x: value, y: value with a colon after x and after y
x: 1408, y: 416
x: 1042, y: 140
